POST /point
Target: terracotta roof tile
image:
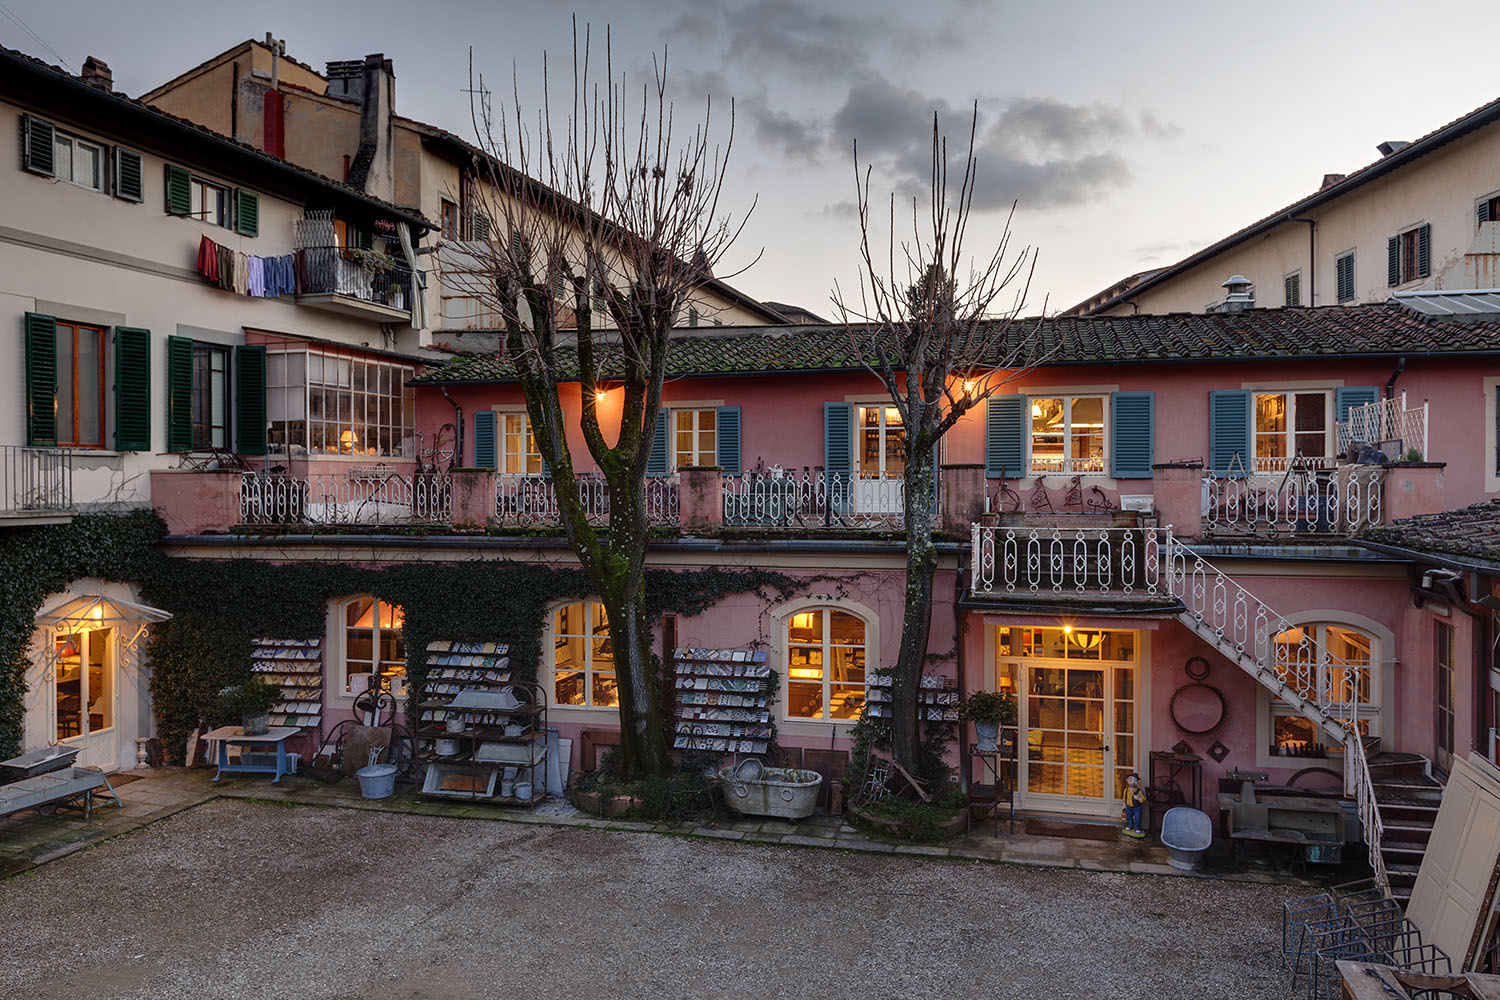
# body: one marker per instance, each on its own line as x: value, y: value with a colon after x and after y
x: 1469, y: 533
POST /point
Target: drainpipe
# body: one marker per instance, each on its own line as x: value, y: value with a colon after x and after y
x: 458, y: 426
x: 958, y: 655
x: 1312, y: 260
x: 234, y: 102
x: 1390, y: 383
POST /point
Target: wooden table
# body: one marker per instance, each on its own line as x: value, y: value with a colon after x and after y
x: 276, y: 737
x: 1383, y: 982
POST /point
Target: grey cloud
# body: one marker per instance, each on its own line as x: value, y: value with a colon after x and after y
x: 1046, y: 123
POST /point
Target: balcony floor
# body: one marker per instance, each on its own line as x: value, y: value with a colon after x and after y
x: 348, y: 305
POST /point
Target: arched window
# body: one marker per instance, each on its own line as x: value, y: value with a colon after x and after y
x: 1347, y: 683
x: 583, y: 660
x: 825, y: 664
x: 372, y: 642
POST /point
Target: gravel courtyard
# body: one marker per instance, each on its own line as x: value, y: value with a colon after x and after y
x: 237, y: 899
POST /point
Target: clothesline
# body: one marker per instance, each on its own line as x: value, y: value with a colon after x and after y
x: 247, y: 274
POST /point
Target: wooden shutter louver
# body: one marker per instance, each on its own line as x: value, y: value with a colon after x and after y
x: 1393, y: 261
x: 1424, y: 251
x: 1229, y: 430
x: 130, y: 178
x: 656, y: 465
x: 1132, y: 418
x: 179, y: 394
x: 250, y: 399
x: 1005, y: 436
x: 1345, y: 269
x: 486, y: 449
x: 1292, y: 287
x: 246, y: 212
x: 1482, y: 212
x: 38, y: 152
x: 838, y: 454
x: 132, y: 389
x: 179, y: 185
x: 727, y: 424
x: 41, y: 380
x: 1352, y: 395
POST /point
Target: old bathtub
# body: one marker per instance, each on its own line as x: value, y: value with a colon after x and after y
x: 785, y: 792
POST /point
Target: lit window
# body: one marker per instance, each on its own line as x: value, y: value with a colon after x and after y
x: 78, y: 161
x: 330, y: 404
x: 881, y: 448
x: 1067, y: 434
x: 518, y: 452
x: 825, y: 656
x: 1290, y: 424
x: 373, y: 644
x: 583, y: 660
x: 210, y: 203
x: 695, y: 439
x: 1347, y: 684
x: 80, y: 386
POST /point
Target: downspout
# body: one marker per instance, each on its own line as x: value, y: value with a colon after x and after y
x: 1390, y: 383
x: 1312, y: 260
x: 458, y: 426
x: 958, y: 656
x: 234, y: 101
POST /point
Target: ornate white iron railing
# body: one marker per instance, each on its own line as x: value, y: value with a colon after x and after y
x: 1387, y: 424
x: 814, y: 498
x: 396, y: 498
x: 527, y: 501
x: 1066, y: 560
x: 1303, y: 501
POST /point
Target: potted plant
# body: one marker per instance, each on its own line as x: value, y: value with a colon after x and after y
x: 251, y: 702
x: 989, y: 710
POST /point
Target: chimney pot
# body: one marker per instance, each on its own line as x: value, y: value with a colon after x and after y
x: 1329, y: 180
x: 96, y: 73
x: 1392, y: 146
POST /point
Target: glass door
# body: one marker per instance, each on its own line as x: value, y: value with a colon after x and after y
x: 1077, y: 714
x: 83, y: 694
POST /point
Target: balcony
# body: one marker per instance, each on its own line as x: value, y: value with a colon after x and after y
x: 352, y: 282
x: 1299, y: 502
x: 1090, y: 564
x: 351, y: 499
x: 36, y: 485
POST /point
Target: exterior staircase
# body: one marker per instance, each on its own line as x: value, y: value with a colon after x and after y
x: 1407, y: 797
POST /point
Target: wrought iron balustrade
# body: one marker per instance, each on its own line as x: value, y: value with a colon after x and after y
x: 531, y: 501
x: 35, y: 479
x: 814, y: 498
x: 334, y: 499
x: 1067, y: 561
x: 1300, y: 502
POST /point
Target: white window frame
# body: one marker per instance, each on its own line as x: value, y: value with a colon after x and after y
x: 592, y: 606
x: 696, y: 415
x: 199, y: 188
x: 1279, y: 463
x: 74, y: 144
x: 399, y: 404
x: 883, y: 428
x: 826, y: 610
x: 339, y: 632
x: 1381, y: 684
x: 503, y: 441
x: 1069, y: 465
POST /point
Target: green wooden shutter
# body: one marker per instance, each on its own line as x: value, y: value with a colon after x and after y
x: 1424, y: 251
x: 486, y: 447
x: 1291, y: 287
x: 1352, y: 395
x: 656, y: 465
x: 179, y: 394
x: 179, y: 190
x: 249, y: 399
x: 1005, y: 436
x: 1132, y: 431
x: 1393, y: 262
x: 727, y: 423
x: 1345, y: 270
x: 41, y: 380
x: 1229, y: 429
x: 132, y: 389
x: 130, y: 177
x: 838, y: 454
x: 246, y: 212
x: 37, y: 149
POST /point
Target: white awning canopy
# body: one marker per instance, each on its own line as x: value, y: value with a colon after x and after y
x: 96, y: 610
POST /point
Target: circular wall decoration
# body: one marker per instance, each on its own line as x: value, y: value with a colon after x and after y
x: 1196, y: 667
x: 1198, y: 708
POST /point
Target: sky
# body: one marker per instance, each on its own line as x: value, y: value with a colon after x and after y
x: 1128, y: 135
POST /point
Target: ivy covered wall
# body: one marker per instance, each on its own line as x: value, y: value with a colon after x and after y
x: 218, y: 606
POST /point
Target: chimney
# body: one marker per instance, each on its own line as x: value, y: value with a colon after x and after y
x: 1239, y: 294
x: 373, y: 170
x: 1329, y: 180
x: 1392, y: 146
x: 96, y: 74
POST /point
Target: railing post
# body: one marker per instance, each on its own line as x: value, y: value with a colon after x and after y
x: 473, y: 499
x: 1178, y: 496
x: 962, y: 496
x: 701, y: 499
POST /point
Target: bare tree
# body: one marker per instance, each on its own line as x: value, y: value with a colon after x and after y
x: 604, y: 219
x: 940, y: 332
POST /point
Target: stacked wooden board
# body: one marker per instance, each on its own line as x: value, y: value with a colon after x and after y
x: 723, y: 700
x: 296, y: 666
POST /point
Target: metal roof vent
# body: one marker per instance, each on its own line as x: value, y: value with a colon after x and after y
x: 1239, y: 294
x: 1392, y: 146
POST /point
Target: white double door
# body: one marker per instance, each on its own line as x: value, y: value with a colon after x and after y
x: 84, y: 695
x: 1081, y: 728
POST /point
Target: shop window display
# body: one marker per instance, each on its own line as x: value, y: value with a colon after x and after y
x: 583, y: 659
x: 373, y: 644
x: 825, y: 665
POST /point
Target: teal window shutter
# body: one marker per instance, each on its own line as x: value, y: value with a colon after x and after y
x: 486, y: 448
x: 1424, y: 251
x: 1393, y: 261
x: 38, y: 150
x: 179, y: 190
x: 130, y: 177
x: 1482, y: 211
x: 41, y: 380
x: 1229, y: 429
x: 1352, y: 395
x: 246, y: 212
x: 727, y: 421
x: 1005, y: 436
x: 838, y: 454
x: 656, y: 465
x: 249, y: 399
x: 179, y: 394
x: 1133, y: 430
x: 132, y: 389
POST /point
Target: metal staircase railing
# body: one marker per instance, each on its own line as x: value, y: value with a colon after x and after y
x: 1284, y: 659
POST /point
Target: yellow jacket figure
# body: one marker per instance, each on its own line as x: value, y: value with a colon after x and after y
x: 1135, y: 798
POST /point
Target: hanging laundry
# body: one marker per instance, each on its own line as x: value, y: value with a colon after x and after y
x: 257, y: 276
x: 208, y: 259
x: 226, y: 268
x: 241, y: 274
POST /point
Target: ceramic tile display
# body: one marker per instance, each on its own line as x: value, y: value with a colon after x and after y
x: 723, y: 700
x: 455, y: 667
x: 937, y: 701
x: 296, y: 666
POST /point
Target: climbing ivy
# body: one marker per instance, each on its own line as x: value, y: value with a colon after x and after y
x: 219, y: 606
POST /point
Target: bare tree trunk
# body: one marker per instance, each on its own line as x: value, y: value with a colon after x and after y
x: 916, y: 616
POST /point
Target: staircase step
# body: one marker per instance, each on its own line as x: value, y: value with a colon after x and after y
x: 1403, y: 870
x: 1391, y: 764
x: 1401, y: 852
x: 1407, y: 831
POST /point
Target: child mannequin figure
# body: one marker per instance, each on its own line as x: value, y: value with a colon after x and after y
x: 1134, y: 799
